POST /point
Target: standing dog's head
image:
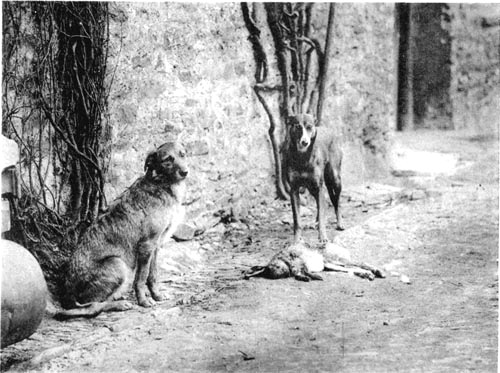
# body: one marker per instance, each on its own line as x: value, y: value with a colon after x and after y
x: 302, y: 131
x: 167, y: 162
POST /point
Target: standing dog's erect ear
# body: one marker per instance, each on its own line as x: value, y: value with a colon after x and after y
x: 151, y: 159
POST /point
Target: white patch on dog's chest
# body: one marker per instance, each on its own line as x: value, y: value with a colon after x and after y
x: 177, y: 218
x: 179, y: 190
x: 175, y: 214
x: 171, y: 220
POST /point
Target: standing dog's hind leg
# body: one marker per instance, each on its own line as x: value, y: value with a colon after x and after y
x: 333, y: 183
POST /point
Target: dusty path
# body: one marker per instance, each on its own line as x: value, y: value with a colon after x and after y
x: 444, y: 320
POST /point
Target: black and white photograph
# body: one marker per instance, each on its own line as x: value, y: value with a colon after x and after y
x: 249, y: 186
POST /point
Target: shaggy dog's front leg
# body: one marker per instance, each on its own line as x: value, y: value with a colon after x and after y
x: 145, y: 257
x: 151, y: 282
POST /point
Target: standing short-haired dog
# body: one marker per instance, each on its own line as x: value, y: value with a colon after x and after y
x: 312, y: 158
x: 125, y: 239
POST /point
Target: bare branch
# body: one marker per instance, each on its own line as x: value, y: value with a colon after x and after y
x: 267, y: 88
x: 280, y: 188
x: 260, y: 58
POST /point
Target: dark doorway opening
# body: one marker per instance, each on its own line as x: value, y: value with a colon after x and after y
x: 405, y: 76
x: 424, y: 66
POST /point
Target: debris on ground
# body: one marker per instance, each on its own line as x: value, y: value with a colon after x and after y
x: 246, y: 356
x: 405, y: 279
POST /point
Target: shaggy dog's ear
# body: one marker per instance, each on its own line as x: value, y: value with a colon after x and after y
x: 151, y: 160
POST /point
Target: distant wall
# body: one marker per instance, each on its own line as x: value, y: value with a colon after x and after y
x: 187, y: 69
x: 475, y: 57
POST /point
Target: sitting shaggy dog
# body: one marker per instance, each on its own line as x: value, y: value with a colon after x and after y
x: 124, y: 241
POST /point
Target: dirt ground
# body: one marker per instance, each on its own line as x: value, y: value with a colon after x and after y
x: 440, y: 231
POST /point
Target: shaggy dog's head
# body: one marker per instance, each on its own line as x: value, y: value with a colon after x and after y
x: 167, y: 162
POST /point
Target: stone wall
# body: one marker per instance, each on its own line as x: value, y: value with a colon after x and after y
x: 475, y: 57
x: 183, y: 71
x: 362, y: 95
x: 186, y: 70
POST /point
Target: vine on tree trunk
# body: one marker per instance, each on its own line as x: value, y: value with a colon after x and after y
x: 55, y: 91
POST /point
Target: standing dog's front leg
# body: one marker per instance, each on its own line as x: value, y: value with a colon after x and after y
x: 320, y: 203
x: 145, y: 255
x: 295, y: 200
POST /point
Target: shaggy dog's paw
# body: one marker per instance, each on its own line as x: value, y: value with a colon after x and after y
x: 146, y: 303
x: 158, y: 297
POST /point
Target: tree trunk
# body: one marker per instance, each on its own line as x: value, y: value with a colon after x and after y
x: 324, y: 65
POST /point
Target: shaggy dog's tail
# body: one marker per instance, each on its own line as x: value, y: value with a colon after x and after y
x: 92, y: 309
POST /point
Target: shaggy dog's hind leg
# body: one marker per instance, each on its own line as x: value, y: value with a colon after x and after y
x: 111, y: 276
x: 105, y: 280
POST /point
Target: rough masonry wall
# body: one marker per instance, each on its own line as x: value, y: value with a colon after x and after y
x: 183, y: 71
x: 363, y: 91
x: 475, y: 55
x: 186, y: 70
